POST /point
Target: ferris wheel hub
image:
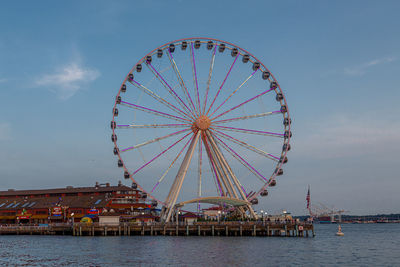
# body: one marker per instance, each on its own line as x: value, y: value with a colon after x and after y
x: 202, y: 123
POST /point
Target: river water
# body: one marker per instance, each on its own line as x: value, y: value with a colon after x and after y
x: 362, y: 245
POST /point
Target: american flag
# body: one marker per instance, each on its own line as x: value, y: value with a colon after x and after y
x: 308, y: 197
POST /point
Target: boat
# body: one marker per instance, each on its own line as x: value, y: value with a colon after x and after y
x: 339, y: 232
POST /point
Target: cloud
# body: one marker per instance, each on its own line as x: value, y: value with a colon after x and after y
x: 5, y: 132
x: 68, y: 79
x: 362, y: 69
x: 342, y: 135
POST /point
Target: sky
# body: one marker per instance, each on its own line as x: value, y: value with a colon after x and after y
x: 338, y: 62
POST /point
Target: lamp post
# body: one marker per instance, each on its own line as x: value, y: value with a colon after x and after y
x: 219, y: 215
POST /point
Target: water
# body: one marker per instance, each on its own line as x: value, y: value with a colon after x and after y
x: 362, y: 245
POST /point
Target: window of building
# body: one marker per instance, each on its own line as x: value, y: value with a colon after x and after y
x: 2, y: 204
x: 9, y: 205
x: 32, y: 204
x: 41, y: 212
x: 97, y: 202
x: 25, y: 204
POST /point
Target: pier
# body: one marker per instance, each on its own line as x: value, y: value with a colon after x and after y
x: 170, y: 229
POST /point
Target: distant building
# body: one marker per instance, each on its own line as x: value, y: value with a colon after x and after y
x: 71, y: 204
x: 190, y: 218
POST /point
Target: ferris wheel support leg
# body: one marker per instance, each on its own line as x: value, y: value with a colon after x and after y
x: 222, y: 168
x: 180, y: 177
x: 210, y: 156
x: 221, y: 175
x: 234, y: 178
x: 228, y: 183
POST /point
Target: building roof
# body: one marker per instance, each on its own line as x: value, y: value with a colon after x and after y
x: 99, y: 201
x: 66, y: 190
x: 189, y: 215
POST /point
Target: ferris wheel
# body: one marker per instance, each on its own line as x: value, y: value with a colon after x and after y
x: 201, y: 121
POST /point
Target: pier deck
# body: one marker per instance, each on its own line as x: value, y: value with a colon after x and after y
x: 170, y: 229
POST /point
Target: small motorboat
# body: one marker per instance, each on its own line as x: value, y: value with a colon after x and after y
x: 339, y: 232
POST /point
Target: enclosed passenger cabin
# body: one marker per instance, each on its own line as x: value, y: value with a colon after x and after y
x: 130, y: 77
x: 272, y: 183
x: 120, y: 164
x: 264, y: 193
x: 279, y: 97
x: 210, y: 45
x: 123, y: 88
x: 139, y: 67
x: 159, y: 53
x: 113, y: 125
x: 148, y: 59
x: 286, y: 146
x: 134, y: 185
x: 221, y: 48
x: 197, y: 44
x: 118, y: 99
x: 144, y: 195
x: 278, y: 172
x: 115, y: 112
x: 283, y: 109
x: 184, y: 45
x: 234, y: 52
x: 265, y: 75
x: 288, y: 134
x: 126, y: 175
x: 283, y: 160
x: 154, y: 203
x: 273, y: 85
x: 287, y: 121
x: 256, y: 66
x: 254, y: 201
x: 114, y: 137
x: 245, y: 58
x: 116, y: 150
x: 171, y: 48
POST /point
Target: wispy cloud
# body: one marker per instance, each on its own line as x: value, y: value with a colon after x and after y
x: 348, y: 136
x: 5, y: 131
x: 363, y: 68
x: 68, y: 79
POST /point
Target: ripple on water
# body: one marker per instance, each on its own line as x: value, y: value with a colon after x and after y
x: 372, y: 244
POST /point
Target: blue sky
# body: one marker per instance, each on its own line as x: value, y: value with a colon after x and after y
x: 61, y: 65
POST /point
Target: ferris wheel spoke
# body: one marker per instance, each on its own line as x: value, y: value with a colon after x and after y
x: 246, y: 145
x: 172, y: 164
x: 209, y: 78
x: 241, y: 104
x: 159, y: 99
x: 154, y: 140
x: 154, y: 112
x: 264, y: 114
x: 200, y: 167
x: 244, y: 164
x: 161, y: 153
x: 226, y: 77
x: 181, y: 82
x: 213, y: 168
x: 241, y: 130
x: 195, y: 78
x: 135, y: 126
x: 243, y: 83
x: 168, y: 87
x: 242, y: 159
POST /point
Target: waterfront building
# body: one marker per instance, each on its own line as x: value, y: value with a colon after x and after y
x: 70, y: 204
